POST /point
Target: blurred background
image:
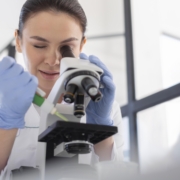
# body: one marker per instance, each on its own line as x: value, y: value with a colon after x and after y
x: 139, y: 41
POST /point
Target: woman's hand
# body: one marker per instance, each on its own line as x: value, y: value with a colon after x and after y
x: 17, y: 90
x: 99, y: 112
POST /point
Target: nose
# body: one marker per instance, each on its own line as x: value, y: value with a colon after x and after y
x: 53, y: 58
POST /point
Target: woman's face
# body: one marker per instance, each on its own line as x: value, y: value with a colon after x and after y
x: 42, y: 36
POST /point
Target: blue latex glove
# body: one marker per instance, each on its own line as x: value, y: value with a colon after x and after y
x: 99, y: 112
x: 17, y: 90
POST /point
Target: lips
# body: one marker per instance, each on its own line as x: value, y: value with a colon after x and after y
x: 49, y: 75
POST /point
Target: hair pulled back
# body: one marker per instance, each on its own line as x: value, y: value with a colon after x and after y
x: 71, y: 7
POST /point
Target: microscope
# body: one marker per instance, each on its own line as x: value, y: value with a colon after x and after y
x: 79, y: 83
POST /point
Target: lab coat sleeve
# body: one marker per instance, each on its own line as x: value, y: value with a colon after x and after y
x: 2, y: 173
x: 23, y: 152
x: 117, y: 150
x: 5, y: 174
x: 24, y: 149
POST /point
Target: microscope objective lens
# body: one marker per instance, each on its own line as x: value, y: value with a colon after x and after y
x: 68, y: 100
x: 93, y: 91
x: 70, y: 92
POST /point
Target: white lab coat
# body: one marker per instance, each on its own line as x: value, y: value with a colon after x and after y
x: 25, y: 145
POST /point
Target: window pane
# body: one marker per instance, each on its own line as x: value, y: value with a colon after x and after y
x: 170, y: 60
x: 146, y: 33
x: 104, y: 16
x: 170, y: 16
x: 158, y: 132
x: 150, y: 19
x: 112, y: 52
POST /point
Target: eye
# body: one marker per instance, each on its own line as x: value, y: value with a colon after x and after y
x: 40, y: 47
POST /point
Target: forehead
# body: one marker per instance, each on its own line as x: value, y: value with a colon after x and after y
x: 48, y: 23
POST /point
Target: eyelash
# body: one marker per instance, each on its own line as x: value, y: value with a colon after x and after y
x: 39, y: 47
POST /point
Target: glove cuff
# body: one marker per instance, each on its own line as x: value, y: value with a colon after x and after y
x: 9, y: 125
x: 99, y: 120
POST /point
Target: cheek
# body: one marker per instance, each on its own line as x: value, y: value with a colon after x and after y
x: 32, y: 59
x: 76, y: 52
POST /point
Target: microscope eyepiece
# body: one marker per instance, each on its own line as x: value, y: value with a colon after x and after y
x: 66, y: 51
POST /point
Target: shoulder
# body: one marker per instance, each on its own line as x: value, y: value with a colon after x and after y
x: 26, y: 142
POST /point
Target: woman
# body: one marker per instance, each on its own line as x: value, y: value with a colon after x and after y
x: 44, y: 27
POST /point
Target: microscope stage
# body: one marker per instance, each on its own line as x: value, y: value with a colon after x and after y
x: 62, y: 131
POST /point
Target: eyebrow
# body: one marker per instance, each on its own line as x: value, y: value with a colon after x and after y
x: 45, y: 40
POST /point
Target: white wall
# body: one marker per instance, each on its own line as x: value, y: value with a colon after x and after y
x: 9, y: 14
x: 104, y: 16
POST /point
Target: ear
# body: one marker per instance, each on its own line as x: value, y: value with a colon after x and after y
x: 17, y: 41
x: 83, y: 42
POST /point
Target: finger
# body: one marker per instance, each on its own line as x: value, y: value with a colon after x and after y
x: 83, y: 56
x: 26, y: 78
x: 6, y: 63
x: 108, y: 83
x: 95, y: 60
x: 22, y: 80
x: 13, y: 71
x: 31, y: 87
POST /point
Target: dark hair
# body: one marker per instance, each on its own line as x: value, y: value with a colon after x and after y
x: 71, y: 7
